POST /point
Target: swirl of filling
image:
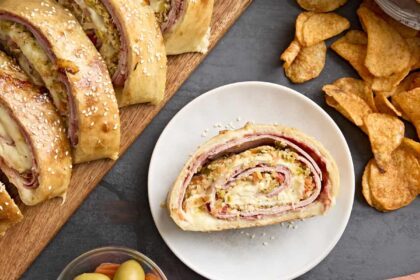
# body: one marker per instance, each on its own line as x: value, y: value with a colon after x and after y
x: 260, y: 175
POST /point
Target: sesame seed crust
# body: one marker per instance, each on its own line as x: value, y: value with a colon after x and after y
x: 144, y: 50
x: 85, y: 74
x: 43, y: 131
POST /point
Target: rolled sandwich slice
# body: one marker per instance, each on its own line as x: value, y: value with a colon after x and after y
x: 185, y: 24
x: 53, y: 50
x: 127, y: 35
x: 9, y: 212
x: 34, y: 150
x: 254, y: 176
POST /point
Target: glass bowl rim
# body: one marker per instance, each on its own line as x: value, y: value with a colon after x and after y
x: 117, y: 249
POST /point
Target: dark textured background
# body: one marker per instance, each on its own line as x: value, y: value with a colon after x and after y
x: 374, y: 245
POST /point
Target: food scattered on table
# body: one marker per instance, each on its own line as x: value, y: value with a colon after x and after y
x: 321, y: 6
x: 128, y: 270
x: 397, y: 186
x: 254, y: 176
x: 320, y: 27
x: 304, y: 63
x: 385, y: 133
x: 387, y: 51
x: 304, y: 59
x: 352, y: 106
x: 384, y: 56
x: 185, y: 24
x: 409, y: 104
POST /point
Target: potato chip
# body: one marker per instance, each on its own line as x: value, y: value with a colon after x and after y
x: 351, y: 106
x: 289, y: 55
x: 300, y: 21
x: 352, y: 47
x: 410, y: 82
x: 383, y: 105
x: 409, y: 103
x: 365, y: 183
x: 389, y: 83
x: 387, y: 52
x: 413, y: 146
x: 308, y: 64
x: 321, y: 6
x: 320, y: 27
x: 385, y: 134
x: 414, y: 46
x: 357, y: 87
x: 404, y: 30
x: 398, y: 185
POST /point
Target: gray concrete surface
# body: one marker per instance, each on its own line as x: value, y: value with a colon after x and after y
x: 374, y: 245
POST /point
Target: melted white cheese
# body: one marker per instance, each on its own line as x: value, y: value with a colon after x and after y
x: 18, y: 154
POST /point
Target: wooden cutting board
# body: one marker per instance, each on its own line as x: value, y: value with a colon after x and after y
x: 23, y: 243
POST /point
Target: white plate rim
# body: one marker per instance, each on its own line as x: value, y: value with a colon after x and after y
x: 347, y: 152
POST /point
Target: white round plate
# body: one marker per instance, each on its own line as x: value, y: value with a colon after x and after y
x: 281, y: 251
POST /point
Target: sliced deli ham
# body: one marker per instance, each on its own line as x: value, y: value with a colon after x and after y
x: 127, y: 35
x: 185, y: 24
x: 254, y: 176
x: 53, y: 50
x: 34, y: 150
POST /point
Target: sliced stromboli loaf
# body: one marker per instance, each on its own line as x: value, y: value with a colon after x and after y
x: 127, y: 35
x: 52, y: 48
x: 34, y: 150
x: 185, y: 24
x: 9, y: 211
x: 254, y: 176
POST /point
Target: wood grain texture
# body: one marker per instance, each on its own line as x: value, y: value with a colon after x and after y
x: 23, y: 243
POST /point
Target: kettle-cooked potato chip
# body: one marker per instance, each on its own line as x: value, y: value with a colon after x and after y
x: 320, y: 27
x: 357, y: 87
x: 383, y: 191
x: 300, y: 21
x: 410, y: 82
x: 385, y: 134
x: 397, y: 186
x: 308, y: 64
x: 321, y: 6
x: 414, y: 46
x: 385, y: 106
x: 404, y: 30
x: 409, y: 103
x: 389, y: 83
x: 290, y: 54
x: 365, y: 183
x: 387, y: 52
x: 412, y: 145
x: 352, y: 47
x: 351, y: 106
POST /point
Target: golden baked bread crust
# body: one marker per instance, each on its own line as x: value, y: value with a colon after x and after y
x: 44, y: 133
x: 191, y: 33
x: 202, y: 221
x: 89, y: 83
x: 146, y: 55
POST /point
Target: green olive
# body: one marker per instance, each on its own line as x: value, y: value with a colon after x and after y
x: 92, y: 276
x: 130, y: 270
